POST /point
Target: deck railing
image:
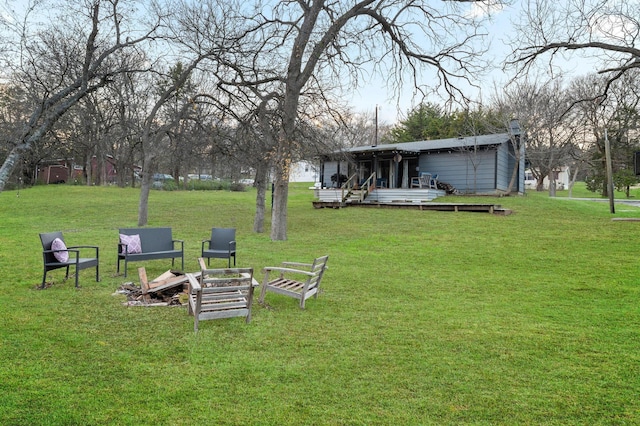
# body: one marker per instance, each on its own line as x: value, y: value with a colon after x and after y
x: 347, y: 187
x: 366, y: 187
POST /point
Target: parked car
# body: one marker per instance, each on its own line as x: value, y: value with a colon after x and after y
x: 200, y: 177
x: 159, y: 179
x: 162, y: 177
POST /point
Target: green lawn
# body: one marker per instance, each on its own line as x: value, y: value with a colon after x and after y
x: 426, y: 317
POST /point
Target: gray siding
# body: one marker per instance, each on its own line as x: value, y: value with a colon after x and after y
x: 502, y: 168
x: 468, y: 172
x: 508, y: 152
x: 486, y: 170
x: 331, y: 168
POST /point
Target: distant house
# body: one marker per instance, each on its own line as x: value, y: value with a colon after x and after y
x: 303, y: 171
x: 53, y: 171
x: 63, y: 171
x: 110, y: 172
x: 561, y: 175
x: 472, y: 165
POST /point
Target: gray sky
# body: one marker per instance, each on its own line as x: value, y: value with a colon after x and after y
x: 501, y: 31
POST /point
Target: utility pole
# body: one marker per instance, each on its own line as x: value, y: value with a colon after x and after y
x: 607, y: 153
x: 375, y: 141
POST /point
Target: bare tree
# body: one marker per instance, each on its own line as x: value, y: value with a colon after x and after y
x: 126, y: 102
x: 559, y: 35
x: 155, y: 133
x: 292, y: 51
x: 80, y: 51
x: 15, y: 107
x: 617, y: 113
x: 605, y: 31
x: 543, y: 110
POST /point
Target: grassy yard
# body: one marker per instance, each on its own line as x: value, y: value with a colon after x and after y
x: 426, y: 317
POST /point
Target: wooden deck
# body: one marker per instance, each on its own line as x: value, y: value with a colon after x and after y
x: 417, y: 199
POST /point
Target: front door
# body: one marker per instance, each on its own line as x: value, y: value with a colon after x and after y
x: 364, y: 170
x: 385, y: 173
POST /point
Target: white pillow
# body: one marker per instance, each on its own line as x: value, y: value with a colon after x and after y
x: 61, y: 256
x: 133, y: 243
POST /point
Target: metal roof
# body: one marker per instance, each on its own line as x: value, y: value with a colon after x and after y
x: 434, y: 145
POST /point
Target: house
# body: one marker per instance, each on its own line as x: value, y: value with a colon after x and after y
x: 53, y: 171
x: 561, y: 175
x: 467, y: 165
x: 303, y: 171
x: 105, y: 173
x: 63, y: 171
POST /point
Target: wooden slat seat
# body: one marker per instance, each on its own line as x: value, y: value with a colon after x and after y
x: 288, y: 285
x: 298, y: 280
x: 221, y: 293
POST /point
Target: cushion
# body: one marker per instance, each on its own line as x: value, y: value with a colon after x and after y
x: 61, y: 256
x: 133, y: 243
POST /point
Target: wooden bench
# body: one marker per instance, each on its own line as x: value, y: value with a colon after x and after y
x: 221, y: 293
x: 155, y: 243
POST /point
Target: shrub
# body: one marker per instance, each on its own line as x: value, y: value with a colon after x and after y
x: 623, y: 179
x: 237, y: 187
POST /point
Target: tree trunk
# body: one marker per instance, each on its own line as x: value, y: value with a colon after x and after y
x: 573, y: 181
x: 102, y: 167
x: 261, y: 183
x: 9, y: 165
x: 88, y: 172
x: 279, y: 214
x: 516, y: 167
x: 27, y: 140
x: 552, y: 184
x: 280, y: 198
x: 605, y: 186
x: 145, y: 188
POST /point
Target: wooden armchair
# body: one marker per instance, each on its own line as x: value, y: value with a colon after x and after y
x: 56, y: 255
x: 422, y: 181
x: 220, y: 293
x: 297, y: 280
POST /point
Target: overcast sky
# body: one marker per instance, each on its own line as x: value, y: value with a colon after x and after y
x: 501, y: 31
x: 391, y: 109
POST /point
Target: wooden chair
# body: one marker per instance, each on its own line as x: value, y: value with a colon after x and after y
x: 221, y: 245
x: 424, y: 180
x: 220, y: 293
x: 297, y: 280
x: 61, y: 256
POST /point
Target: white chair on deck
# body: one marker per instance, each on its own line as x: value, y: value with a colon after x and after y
x: 422, y: 181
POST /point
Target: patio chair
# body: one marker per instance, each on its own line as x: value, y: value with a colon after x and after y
x: 56, y: 255
x: 297, y: 280
x: 220, y: 293
x: 433, y: 182
x: 422, y: 181
x: 221, y: 245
